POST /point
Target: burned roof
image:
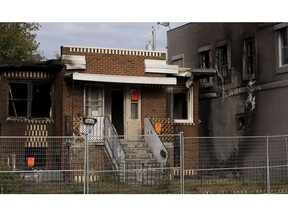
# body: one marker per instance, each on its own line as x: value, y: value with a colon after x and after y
x: 51, y: 65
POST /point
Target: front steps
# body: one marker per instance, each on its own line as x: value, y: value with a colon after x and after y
x: 140, y: 168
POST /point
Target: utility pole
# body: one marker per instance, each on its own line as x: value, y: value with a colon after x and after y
x: 153, y: 38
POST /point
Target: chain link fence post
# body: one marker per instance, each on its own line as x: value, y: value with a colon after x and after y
x: 268, y: 167
x: 181, y: 163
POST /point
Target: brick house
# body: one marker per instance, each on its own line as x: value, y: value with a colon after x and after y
x: 122, y: 89
x: 127, y: 86
x: 31, y: 106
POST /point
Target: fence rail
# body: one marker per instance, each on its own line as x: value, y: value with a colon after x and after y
x: 195, y: 165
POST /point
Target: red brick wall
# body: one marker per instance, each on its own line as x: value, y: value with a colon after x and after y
x: 153, y: 101
x: 113, y: 62
x: 128, y: 63
x: 190, y: 132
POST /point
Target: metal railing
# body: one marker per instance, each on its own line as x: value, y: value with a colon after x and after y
x: 113, y: 144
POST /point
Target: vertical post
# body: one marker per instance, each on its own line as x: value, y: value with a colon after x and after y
x: 85, y: 162
x: 286, y: 142
x: 181, y: 163
x: 268, y: 168
x: 87, y: 165
x: 89, y: 123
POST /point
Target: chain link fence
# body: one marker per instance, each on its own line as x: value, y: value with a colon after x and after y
x: 195, y: 165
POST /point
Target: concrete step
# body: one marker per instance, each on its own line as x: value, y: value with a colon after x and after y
x: 138, y: 160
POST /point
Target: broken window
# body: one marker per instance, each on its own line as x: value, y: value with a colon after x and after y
x: 249, y: 59
x: 204, y: 59
x: 180, y: 104
x: 94, y: 100
x: 222, y: 61
x: 29, y: 99
x: 283, y: 46
x: 205, y: 63
x: 41, y: 100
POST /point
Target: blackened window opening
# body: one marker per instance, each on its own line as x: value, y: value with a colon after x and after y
x: 18, y: 99
x: 41, y: 101
x: 180, y: 106
x: 29, y: 99
x: 223, y: 61
x: 284, y: 46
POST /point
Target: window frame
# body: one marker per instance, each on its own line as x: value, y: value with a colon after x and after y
x: 245, y: 59
x: 208, y: 81
x: 135, y: 102
x: 190, y: 104
x: 280, y: 68
x: 29, y: 100
x: 219, y: 46
x: 85, y: 99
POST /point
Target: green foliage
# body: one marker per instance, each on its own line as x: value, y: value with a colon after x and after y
x: 9, y: 183
x: 18, y: 42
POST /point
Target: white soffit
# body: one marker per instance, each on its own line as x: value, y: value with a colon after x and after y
x: 124, y: 79
x: 159, y: 66
x: 74, y: 62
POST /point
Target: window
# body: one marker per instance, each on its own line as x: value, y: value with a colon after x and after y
x: 134, y: 103
x: 205, y: 62
x: 180, y: 104
x: 31, y: 99
x: 94, y: 100
x: 205, y: 59
x: 222, y: 61
x: 283, y: 47
x: 249, y: 59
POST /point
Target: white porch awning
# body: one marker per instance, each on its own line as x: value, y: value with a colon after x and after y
x: 124, y: 79
x: 159, y: 66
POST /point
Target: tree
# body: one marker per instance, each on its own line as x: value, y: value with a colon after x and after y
x: 18, y: 42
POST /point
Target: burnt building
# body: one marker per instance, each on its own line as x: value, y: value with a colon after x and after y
x: 246, y: 97
x: 31, y: 106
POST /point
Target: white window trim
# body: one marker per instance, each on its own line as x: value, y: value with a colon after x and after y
x: 281, y: 65
x: 190, y: 109
x: 281, y: 68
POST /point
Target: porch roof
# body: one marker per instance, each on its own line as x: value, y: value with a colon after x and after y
x: 124, y: 79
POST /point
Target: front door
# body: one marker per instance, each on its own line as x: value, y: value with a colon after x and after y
x: 117, y: 110
x: 133, y: 113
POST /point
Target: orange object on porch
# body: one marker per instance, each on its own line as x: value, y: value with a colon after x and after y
x: 30, y: 161
x: 158, y: 127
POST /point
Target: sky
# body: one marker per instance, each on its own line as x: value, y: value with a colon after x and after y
x: 126, y: 35
x: 126, y: 24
